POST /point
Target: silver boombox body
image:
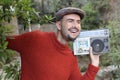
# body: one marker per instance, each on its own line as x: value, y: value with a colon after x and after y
x: 97, y: 39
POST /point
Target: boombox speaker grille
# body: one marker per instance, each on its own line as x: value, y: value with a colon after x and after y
x: 97, y: 45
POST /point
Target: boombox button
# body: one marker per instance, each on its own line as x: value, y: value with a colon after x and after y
x: 106, y: 40
x: 107, y: 47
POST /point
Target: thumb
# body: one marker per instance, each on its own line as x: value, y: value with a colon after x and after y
x: 91, y: 52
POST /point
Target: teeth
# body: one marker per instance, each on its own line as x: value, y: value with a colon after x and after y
x: 73, y: 30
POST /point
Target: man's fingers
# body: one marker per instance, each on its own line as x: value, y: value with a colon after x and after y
x: 91, y: 52
x: 94, y: 57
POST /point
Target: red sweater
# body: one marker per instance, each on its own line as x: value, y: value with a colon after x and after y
x: 43, y: 57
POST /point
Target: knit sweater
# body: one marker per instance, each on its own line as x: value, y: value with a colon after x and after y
x: 43, y: 57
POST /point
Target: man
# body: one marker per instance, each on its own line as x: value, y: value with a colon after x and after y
x: 46, y: 55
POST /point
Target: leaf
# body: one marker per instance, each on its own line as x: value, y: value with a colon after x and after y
x: 5, y: 45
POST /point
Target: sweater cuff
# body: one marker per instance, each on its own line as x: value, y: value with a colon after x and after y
x: 93, y: 68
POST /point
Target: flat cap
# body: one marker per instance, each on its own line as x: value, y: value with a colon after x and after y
x: 69, y: 10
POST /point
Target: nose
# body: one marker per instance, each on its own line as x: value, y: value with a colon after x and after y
x: 76, y: 24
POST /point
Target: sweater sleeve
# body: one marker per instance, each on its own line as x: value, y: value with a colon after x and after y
x: 20, y: 42
x: 89, y: 75
x: 16, y: 42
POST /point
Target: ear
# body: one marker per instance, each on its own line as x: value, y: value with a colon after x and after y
x: 58, y: 24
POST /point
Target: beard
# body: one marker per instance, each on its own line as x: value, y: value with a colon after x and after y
x: 67, y: 37
x: 71, y: 30
x: 70, y: 38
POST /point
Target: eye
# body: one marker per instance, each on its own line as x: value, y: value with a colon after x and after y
x: 78, y: 21
x: 69, y: 20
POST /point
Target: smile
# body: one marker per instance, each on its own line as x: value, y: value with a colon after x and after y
x: 73, y: 30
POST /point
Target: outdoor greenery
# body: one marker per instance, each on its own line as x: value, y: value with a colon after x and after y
x: 6, y: 14
x: 45, y: 19
x: 114, y: 56
x: 28, y: 12
x: 26, y: 15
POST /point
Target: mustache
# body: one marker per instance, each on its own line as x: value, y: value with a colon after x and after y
x: 73, y: 28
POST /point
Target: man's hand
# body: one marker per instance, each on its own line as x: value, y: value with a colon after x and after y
x: 94, y: 58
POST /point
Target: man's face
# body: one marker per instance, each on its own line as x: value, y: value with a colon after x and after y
x: 70, y: 27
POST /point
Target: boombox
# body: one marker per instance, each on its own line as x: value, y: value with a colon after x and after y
x: 97, y: 39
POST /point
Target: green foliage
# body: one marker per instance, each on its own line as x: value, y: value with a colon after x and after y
x: 46, y: 19
x: 92, y: 19
x: 116, y: 74
x: 6, y: 9
x: 12, y: 70
x: 6, y: 55
x: 95, y: 11
x: 25, y: 13
x: 115, y: 42
x: 20, y: 8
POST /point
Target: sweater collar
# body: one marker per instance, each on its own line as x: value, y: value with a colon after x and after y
x: 58, y: 44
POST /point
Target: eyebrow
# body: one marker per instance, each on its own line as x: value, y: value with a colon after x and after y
x: 73, y: 19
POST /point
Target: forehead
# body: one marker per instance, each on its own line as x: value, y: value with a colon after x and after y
x: 72, y: 16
